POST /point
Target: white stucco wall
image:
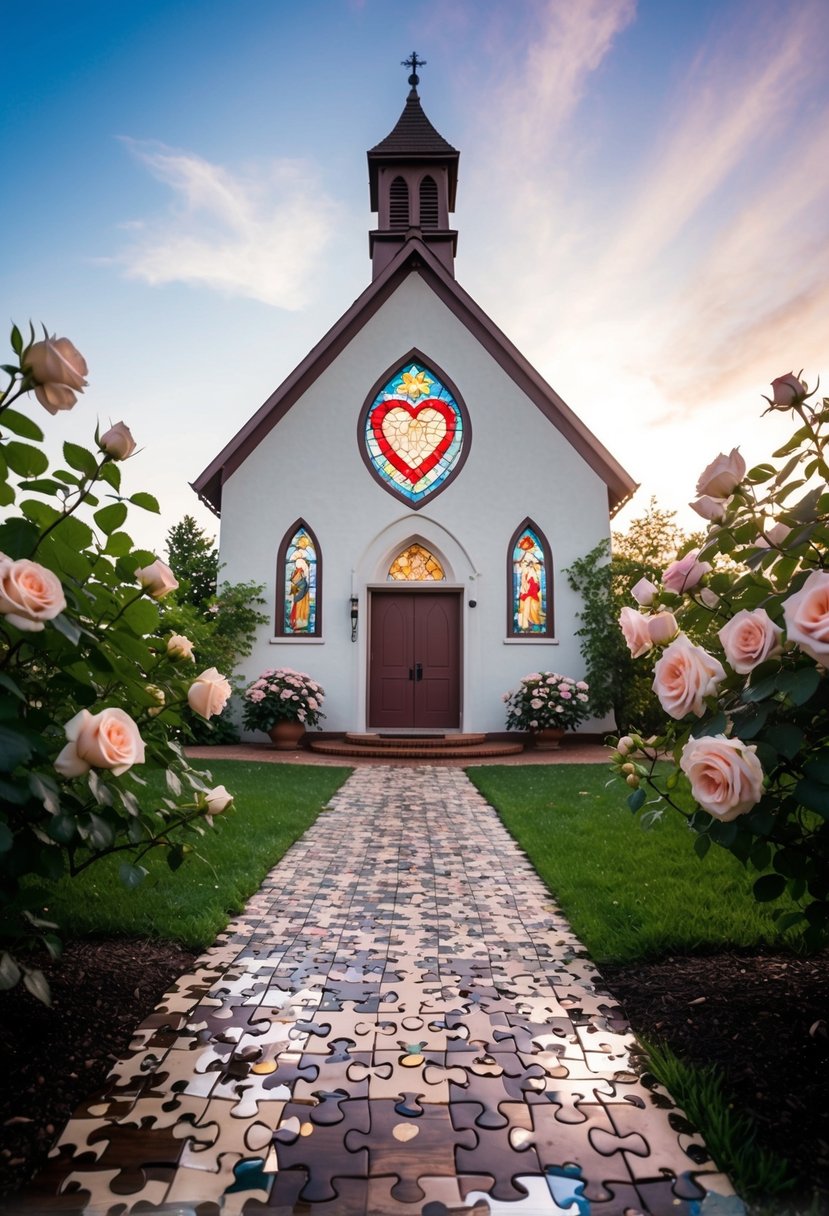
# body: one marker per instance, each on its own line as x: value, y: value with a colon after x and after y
x: 309, y: 465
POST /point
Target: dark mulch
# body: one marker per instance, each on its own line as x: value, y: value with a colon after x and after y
x: 763, y: 1018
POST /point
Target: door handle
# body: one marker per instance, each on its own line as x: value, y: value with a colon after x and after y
x: 418, y: 671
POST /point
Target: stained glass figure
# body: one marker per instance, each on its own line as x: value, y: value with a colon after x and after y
x: 416, y: 564
x: 529, y: 591
x: 299, y: 566
x: 413, y: 433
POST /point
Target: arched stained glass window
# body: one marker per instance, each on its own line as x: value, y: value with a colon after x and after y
x: 414, y: 431
x: 529, y: 577
x: 416, y: 564
x: 299, y: 584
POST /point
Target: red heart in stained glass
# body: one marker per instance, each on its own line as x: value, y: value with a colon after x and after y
x: 413, y: 437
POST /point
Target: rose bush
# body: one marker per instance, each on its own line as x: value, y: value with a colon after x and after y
x: 282, y: 694
x: 545, y: 699
x: 92, y: 685
x: 748, y: 697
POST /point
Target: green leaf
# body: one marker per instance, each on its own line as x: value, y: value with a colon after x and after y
x: 42, y: 485
x: 14, y: 749
x: 67, y: 628
x: 118, y: 543
x: 80, y: 458
x: 701, y: 845
x: 768, y: 887
x: 141, y: 616
x: 16, y: 340
x: 175, y: 857
x: 99, y: 834
x: 9, y: 971
x: 74, y: 532
x: 637, y: 799
x: 748, y: 725
x: 813, y: 796
x: 173, y: 782
x: 714, y: 726
x: 25, y: 460
x: 760, y: 854
x: 147, y: 501
x: 110, y: 518
x: 818, y: 769
x: 799, y: 685
x: 18, y: 538
x: 7, y: 494
x: 21, y: 425
x: 760, y: 473
x: 8, y: 683
x: 38, y: 985
x: 62, y: 828
x: 6, y: 837
x: 131, y: 876
x: 787, y: 739
x: 760, y: 691
x: 111, y: 474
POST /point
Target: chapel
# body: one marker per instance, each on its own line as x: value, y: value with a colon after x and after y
x: 410, y: 495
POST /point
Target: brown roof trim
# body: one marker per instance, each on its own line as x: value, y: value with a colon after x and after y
x: 414, y: 255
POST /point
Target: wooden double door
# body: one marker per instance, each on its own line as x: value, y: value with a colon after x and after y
x: 415, y: 660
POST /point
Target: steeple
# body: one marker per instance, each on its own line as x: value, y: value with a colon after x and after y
x: 413, y: 177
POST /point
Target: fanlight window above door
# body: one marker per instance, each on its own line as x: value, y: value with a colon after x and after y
x: 414, y: 432
x: 416, y: 564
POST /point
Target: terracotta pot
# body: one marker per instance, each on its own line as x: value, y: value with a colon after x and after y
x: 286, y: 734
x: 549, y: 738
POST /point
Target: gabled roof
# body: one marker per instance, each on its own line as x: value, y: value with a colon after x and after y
x: 415, y: 257
x: 412, y: 140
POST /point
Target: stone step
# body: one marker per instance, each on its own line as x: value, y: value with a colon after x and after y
x: 410, y: 750
x: 403, y: 740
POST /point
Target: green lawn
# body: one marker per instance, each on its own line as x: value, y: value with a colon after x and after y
x: 274, y: 804
x: 629, y: 892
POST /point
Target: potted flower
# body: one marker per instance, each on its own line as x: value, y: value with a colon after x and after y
x: 547, y: 704
x: 283, y: 702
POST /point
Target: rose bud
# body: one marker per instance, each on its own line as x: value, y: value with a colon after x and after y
x: 117, y: 442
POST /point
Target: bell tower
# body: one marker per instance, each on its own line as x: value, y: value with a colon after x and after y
x: 413, y: 177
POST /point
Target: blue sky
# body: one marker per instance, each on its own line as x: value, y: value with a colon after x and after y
x: 643, y: 205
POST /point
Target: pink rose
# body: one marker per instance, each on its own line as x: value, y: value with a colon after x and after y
x: 58, y: 370
x: 218, y: 800
x: 684, y: 676
x: 662, y: 627
x: 709, y: 508
x: 750, y: 638
x: 29, y: 593
x: 685, y: 573
x: 722, y: 476
x: 117, y: 442
x: 157, y: 579
x: 644, y: 592
x: 209, y: 693
x: 726, y: 776
x: 786, y: 390
x: 635, y: 628
x: 108, y: 739
x: 180, y: 647
x: 807, y: 617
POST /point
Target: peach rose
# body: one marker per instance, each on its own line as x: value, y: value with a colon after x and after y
x: 722, y: 476
x: 117, y: 442
x: 786, y: 390
x: 180, y: 647
x: 58, y: 370
x: 685, y: 573
x: 709, y: 508
x: 635, y: 628
x: 644, y: 592
x: 750, y: 638
x: 726, y: 776
x: 807, y: 617
x: 29, y: 593
x: 684, y: 676
x: 218, y: 800
x: 662, y: 627
x: 157, y: 579
x: 209, y: 693
x: 109, y: 739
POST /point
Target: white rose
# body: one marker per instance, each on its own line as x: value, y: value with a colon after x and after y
x: 750, y: 638
x: 722, y: 476
x: 644, y: 592
x: 29, y: 593
x: 117, y: 442
x: 180, y: 647
x: 635, y: 628
x: 709, y: 508
x: 59, y: 370
x: 218, y: 800
x: 807, y: 617
x: 726, y: 776
x: 109, y: 739
x: 684, y: 676
x: 209, y: 693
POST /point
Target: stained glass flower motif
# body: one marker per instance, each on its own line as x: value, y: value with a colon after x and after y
x: 299, y: 598
x: 413, y: 433
x: 416, y: 564
x: 529, y: 585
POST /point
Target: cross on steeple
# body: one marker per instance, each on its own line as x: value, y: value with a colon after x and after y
x: 414, y: 63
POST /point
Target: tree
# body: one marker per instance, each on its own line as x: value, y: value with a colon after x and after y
x: 194, y: 560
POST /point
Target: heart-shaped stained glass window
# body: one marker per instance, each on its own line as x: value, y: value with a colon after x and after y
x: 414, y: 433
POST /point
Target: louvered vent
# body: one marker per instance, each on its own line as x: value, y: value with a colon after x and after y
x: 428, y: 203
x: 399, y: 204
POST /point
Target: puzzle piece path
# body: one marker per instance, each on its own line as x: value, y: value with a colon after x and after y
x: 401, y: 1021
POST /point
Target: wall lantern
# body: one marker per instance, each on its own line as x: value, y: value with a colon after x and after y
x: 355, y: 612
